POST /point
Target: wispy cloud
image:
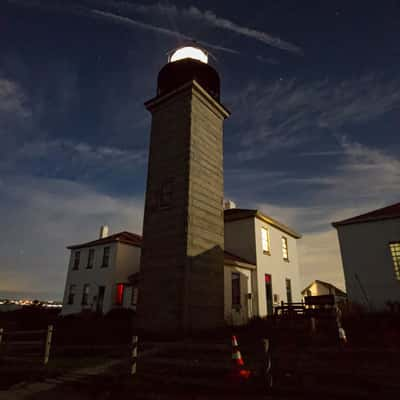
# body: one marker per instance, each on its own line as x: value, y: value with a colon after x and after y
x: 365, y: 178
x: 13, y: 100
x: 287, y: 112
x: 210, y: 18
x: 134, y: 23
x: 118, y: 19
x: 74, y: 158
x: 222, y: 23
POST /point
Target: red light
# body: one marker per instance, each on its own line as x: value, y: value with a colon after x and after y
x: 267, y: 278
x: 120, y: 294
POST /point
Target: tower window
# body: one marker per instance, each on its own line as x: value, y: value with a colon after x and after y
x: 90, y: 259
x: 395, y: 252
x: 77, y: 258
x: 166, y: 194
x: 265, y: 241
x: 285, y: 250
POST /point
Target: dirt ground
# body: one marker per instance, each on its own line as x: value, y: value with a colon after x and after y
x: 203, y: 372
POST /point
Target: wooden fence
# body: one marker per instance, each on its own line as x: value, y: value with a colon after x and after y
x: 26, y: 346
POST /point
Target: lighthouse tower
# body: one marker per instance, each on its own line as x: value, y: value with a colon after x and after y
x: 182, y: 271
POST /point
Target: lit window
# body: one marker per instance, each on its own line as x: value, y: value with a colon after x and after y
x: 90, y: 259
x: 235, y: 290
x: 285, y: 251
x: 85, y: 294
x: 77, y: 257
x: 106, y: 257
x: 119, y: 298
x: 71, y: 294
x: 289, y: 291
x: 395, y: 251
x: 265, y: 241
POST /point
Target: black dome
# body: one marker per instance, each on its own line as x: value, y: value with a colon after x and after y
x: 177, y: 73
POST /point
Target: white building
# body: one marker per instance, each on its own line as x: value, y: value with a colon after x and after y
x: 370, y: 249
x: 260, y: 269
x: 272, y: 248
x: 321, y: 288
x: 101, y: 274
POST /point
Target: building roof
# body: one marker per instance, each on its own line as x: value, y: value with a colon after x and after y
x: 136, y: 240
x: 389, y: 212
x: 121, y: 237
x: 234, y: 214
x: 327, y: 284
x: 228, y: 256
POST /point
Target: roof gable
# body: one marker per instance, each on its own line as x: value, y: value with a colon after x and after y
x: 389, y: 212
x: 234, y: 214
x: 121, y: 237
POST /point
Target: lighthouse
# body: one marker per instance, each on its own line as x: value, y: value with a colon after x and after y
x: 182, y: 270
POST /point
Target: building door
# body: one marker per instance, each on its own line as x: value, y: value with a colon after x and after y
x: 100, y: 299
x: 268, y: 294
x: 289, y: 291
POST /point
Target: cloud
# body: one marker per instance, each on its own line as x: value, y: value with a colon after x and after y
x: 12, y: 99
x: 222, y: 23
x: 210, y: 18
x: 43, y: 216
x: 131, y: 22
x: 286, y: 113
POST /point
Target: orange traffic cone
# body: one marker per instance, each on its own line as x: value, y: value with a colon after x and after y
x: 237, y: 361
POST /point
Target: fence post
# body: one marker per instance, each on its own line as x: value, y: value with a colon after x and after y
x: 313, y: 325
x: 268, y: 378
x: 1, y: 340
x: 134, y: 354
x: 48, y: 344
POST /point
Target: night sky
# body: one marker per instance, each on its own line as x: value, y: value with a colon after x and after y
x: 313, y: 87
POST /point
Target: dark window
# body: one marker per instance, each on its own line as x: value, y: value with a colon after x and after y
x: 90, y: 261
x: 134, y: 297
x: 268, y: 294
x: 235, y: 290
x: 166, y: 194
x: 289, y: 291
x: 106, y: 257
x: 71, y: 294
x: 85, y: 294
x: 119, y: 298
x: 395, y: 251
x: 77, y: 258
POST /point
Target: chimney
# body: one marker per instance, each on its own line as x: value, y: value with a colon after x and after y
x: 228, y: 204
x: 103, y: 231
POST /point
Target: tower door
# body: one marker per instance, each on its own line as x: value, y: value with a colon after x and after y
x: 100, y: 299
x: 268, y: 294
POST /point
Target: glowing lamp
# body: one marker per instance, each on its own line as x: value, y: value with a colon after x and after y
x: 189, y: 52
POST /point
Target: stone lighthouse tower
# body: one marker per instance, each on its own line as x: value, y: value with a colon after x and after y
x: 182, y: 271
